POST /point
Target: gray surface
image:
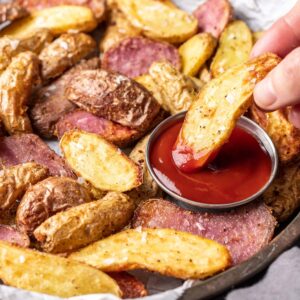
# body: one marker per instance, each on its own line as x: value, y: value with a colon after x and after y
x: 280, y: 281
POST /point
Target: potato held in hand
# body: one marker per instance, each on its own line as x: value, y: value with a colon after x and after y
x: 16, y: 84
x: 49, y: 274
x: 165, y: 251
x: 84, y: 224
x: 58, y: 19
x: 158, y: 20
x: 212, y: 116
x: 100, y: 162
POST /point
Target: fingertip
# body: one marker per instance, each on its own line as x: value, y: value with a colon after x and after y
x: 294, y: 116
x: 264, y: 94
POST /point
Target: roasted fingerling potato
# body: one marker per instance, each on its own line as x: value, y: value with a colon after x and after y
x: 58, y: 19
x: 195, y: 52
x: 99, y: 162
x: 158, y: 20
x: 46, y: 198
x: 14, y: 182
x: 234, y: 48
x: 64, y: 52
x: 49, y: 274
x: 213, y: 115
x: 16, y: 84
x: 84, y: 224
x: 166, y: 251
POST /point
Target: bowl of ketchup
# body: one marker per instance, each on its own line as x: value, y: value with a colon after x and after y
x: 242, y: 170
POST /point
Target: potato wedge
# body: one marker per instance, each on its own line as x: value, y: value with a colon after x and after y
x: 46, y: 198
x: 196, y: 51
x: 283, y: 196
x: 100, y: 162
x: 177, y: 91
x: 16, y: 84
x: 14, y: 182
x: 149, y: 188
x: 158, y: 20
x: 283, y: 133
x: 205, y: 74
x: 49, y: 274
x: 64, y: 52
x: 58, y: 19
x: 235, y: 47
x: 85, y: 224
x: 212, y: 116
x: 11, y: 12
x: 165, y: 251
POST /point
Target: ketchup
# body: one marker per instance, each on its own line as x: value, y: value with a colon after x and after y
x: 239, y: 170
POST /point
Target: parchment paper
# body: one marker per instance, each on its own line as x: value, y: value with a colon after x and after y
x: 259, y: 15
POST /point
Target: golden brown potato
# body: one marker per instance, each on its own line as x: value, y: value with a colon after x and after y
x: 196, y: 51
x: 10, y: 47
x: 212, y: 116
x: 158, y: 20
x: 58, y: 19
x: 284, y: 134
x: 47, y: 198
x: 49, y: 274
x: 205, y: 74
x: 16, y: 84
x: 283, y: 196
x: 174, y: 91
x: 100, y: 162
x: 11, y: 12
x: 14, y: 182
x: 149, y: 188
x: 94, y: 192
x: 64, y: 52
x: 234, y: 47
x: 84, y: 224
x: 165, y: 251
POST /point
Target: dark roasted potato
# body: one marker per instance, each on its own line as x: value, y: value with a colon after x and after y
x: 16, y: 84
x: 14, y: 182
x: 114, y: 97
x: 47, y: 198
x: 13, y: 236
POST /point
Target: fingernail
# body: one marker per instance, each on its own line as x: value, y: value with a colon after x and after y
x: 264, y: 94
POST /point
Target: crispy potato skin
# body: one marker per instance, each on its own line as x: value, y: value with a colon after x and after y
x: 166, y: 251
x: 14, y: 182
x: 149, y: 188
x: 234, y: 47
x: 11, y: 12
x: 49, y: 103
x: 97, y: 6
x: 13, y: 236
x: 58, y: 19
x: 84, y: 224
x: 196, y: 51
x: 64, y: 52
x: 159, y: 20
x: 283, y: 196
x: 24, y: 268
x: 10, y: 47
x: 47, y: 198
x: 16, y: 83
x: 114, y: 97
x: 214, y: 113
x: 100, y: 162
x: 285, y: 136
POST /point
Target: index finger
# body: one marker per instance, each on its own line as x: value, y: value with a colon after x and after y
x: 283, y: 36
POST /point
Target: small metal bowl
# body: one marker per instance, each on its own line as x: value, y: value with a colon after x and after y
x: 244, y: 123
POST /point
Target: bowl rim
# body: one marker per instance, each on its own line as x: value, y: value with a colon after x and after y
x: 243, y: 122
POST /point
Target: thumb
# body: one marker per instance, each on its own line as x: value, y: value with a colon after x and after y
x: 281, y: 87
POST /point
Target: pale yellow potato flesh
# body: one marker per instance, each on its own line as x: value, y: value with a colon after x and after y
x: 234, y: 47
x: 53, y: 275
x: 58, y: 19
x: 159, y: 21
x: 195, y: 52
x: 166, y: 251
x: 99, y: 162
x: 213, y: 115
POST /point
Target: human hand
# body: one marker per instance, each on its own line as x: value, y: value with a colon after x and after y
x: 281, y: 87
